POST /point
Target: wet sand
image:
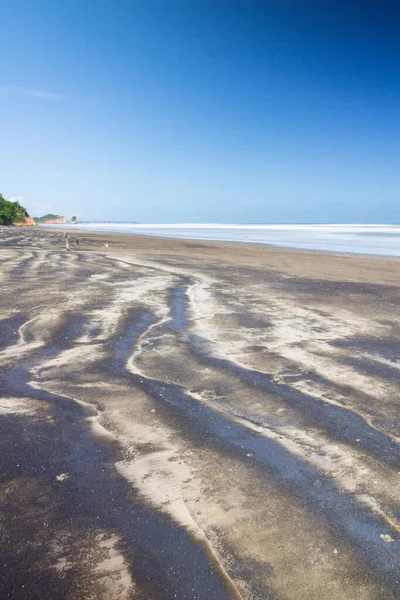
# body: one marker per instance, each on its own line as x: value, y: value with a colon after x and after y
x: 197, y: 420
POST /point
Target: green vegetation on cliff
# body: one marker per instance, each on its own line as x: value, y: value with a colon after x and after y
x: 46, y: 217
x: 11, y: 212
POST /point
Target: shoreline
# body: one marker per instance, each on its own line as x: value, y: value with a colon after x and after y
x: 319, y: 263
x: 302, y: 246
x: 129, y: 372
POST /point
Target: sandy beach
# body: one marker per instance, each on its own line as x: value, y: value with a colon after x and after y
x: 197, y: 420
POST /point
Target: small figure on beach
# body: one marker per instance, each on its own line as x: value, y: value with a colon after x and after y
x: 67, y: 243
x: 77, y: 243
x: 65, y: 235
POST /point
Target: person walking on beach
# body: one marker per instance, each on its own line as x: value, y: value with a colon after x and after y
x: 67, y: 243
x: 77, y: 243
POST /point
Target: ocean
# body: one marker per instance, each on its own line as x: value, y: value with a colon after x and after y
x: 381, y: 240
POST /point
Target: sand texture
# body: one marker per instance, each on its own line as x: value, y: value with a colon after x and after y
x: 197, y: 420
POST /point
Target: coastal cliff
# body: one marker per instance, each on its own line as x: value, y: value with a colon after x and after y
x: 13, y: 213
x: 58, y: 220
x: 29, y: 222
x: 50, y: 219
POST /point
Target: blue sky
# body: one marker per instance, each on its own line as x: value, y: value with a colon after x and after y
x: 202, y: 111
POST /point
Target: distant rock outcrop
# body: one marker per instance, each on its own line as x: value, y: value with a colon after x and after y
x: 49, y: 219
x: 58, y: 220
x: 73, y: 220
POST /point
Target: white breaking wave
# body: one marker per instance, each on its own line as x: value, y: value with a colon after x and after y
x: 361, y: 239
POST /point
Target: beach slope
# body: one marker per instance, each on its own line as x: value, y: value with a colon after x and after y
x: 197, y: 420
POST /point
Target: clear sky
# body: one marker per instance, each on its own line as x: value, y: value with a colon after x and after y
x: 231, y: 111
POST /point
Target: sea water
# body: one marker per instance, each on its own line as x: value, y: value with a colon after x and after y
x: 362, y: 239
